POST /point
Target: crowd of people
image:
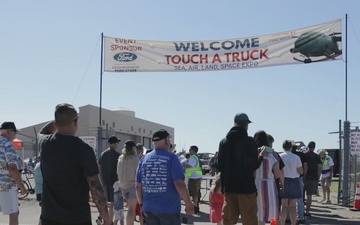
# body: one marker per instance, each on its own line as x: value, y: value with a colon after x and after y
x: 251, y: 179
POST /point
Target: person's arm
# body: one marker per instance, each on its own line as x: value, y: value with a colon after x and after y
x: 99, y: 166
x: 319, y: 167
x: 48, y: 128
x: 331, y: 164
x: 300, y: 170
x: 98, y: 196
x: 299, y: 165
x: 331, y: 172
x: 139, y: 193
x: 15, y: 174
x: 182, y: 190
x: 276, y: 170
x: 191, y: 163
x: 257, y: 156
x: 221, y: 157
x: 305, y: 168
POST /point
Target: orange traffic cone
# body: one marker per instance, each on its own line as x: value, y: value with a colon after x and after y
x: 356, y: 206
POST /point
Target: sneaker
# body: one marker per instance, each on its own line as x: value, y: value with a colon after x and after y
x: 327, y: 202
x: 322, y: 200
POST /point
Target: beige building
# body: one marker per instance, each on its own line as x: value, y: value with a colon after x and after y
x: 120, y: 123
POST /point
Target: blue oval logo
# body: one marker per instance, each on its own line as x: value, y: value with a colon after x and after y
x: 125, y: 57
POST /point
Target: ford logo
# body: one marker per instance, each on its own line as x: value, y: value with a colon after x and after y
x: 125, y: 57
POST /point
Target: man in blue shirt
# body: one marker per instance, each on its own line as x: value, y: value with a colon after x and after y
x: 160, y: 184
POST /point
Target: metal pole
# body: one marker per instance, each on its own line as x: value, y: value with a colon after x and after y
x: 346, y: 67
x: 341, y: 166
x: 36, y: 144
x: 99, y: 140
x: 101, y: 73
x: 345, y: 189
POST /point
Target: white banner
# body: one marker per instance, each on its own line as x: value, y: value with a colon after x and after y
x: 312, y: 44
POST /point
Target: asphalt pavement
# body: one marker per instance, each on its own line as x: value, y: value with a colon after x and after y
x: 327, y: 214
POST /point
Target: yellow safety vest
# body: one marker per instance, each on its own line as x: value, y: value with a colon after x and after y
x: 197, y: 169
x: 325, y: 162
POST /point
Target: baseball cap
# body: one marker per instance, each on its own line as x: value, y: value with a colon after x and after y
x: 160, y: 134
x: 311, y: 144
x: 130, y: 143
x: 8, y: 126
x: 113, y: 140
x: 240, y: 117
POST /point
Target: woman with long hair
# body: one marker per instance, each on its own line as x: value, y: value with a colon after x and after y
x: 126, y: 171
x: 265, y: 175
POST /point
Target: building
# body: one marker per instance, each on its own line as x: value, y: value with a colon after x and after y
x: 121, y: 123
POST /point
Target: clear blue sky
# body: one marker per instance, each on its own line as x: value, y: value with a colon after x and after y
x: 50, y: 53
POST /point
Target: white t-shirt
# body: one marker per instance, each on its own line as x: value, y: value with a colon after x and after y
x: 192, y: 162
x: 292, y: 162
x: 327, y: 174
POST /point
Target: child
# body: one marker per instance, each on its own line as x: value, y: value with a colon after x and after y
x: 118, y: 204
x: 216, y: 200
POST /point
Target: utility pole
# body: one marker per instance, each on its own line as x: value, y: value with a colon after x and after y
x: 346, y: 160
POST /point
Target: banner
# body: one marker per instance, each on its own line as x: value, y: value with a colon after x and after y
x: 355, y: 143
x: 306, y: 45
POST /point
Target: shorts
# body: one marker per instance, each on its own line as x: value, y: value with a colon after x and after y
x: 129, y: 193
x: 162, y: 218
x: 325, y: 182
x: 9, y: 203
x: 119, y: 214
x: 291, y: 189
x: 194, y: 187
x: 311, y: 187
x: 109, y: 192
x: 45, y: 221
x: 240, y: 204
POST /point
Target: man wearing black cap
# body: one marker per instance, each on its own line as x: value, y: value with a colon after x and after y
x: 237, y: 162
x: 312, y: 175
x: 160, y: 183
x: 107, y: 165
x: 10, y: 178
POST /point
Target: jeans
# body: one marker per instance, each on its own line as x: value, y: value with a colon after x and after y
x: 162, y: 218
x: 300, y: 202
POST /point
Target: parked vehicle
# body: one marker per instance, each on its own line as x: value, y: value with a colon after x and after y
x: 205, y: 159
